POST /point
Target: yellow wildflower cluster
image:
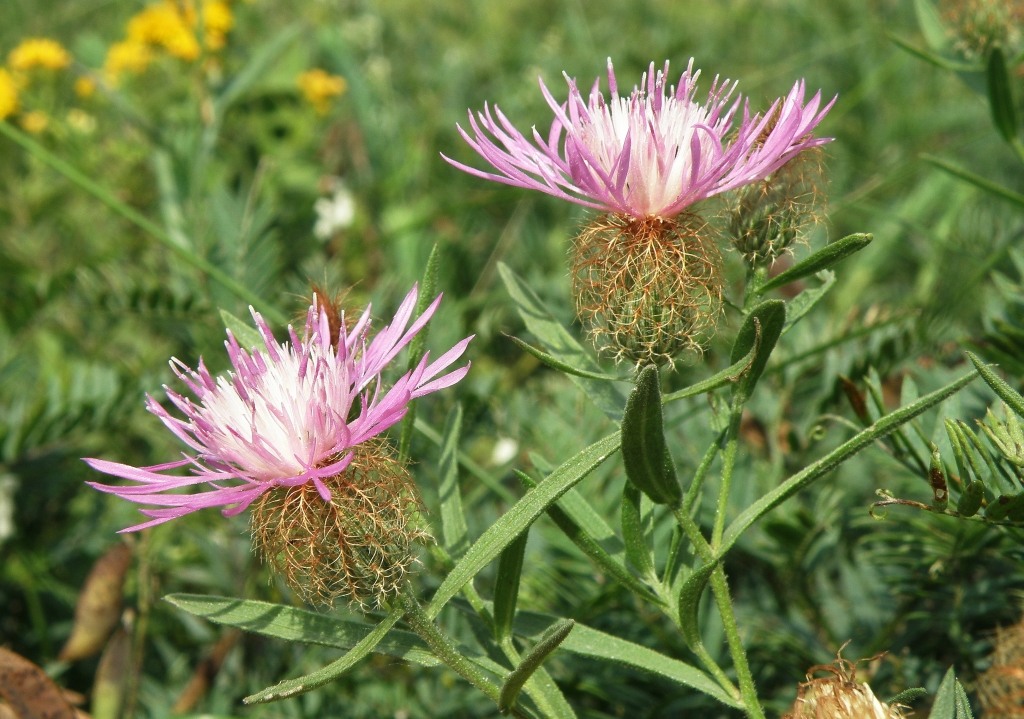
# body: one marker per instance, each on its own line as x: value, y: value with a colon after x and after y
x: 320, y: 87
x: 36, y: 54
x: 8, y: 94
x: 174, y: 27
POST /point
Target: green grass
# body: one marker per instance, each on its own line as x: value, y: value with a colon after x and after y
x: 94, y: 305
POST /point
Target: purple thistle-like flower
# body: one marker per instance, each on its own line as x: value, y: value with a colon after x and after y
x: 288, y: 413
x: 652, y: 153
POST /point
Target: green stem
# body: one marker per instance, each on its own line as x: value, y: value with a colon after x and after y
x: 720, y: 590
x: 748, y: 691
x: 728, y: 463
x: 104, y: 195
x: 444, y: 649
x: 703, y: 550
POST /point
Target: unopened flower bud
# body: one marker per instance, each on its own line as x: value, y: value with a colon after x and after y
x: 770, y: 216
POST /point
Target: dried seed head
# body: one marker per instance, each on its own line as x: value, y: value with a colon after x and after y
x: 768, y: 217
x: 977, y: 26
x: 648, y: 290
x: 1001, y: 686
x: 358, y: 546
x: 839, y: 696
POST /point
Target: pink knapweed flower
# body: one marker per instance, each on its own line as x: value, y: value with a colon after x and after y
x: 288, y: 413
x: 652, y: 153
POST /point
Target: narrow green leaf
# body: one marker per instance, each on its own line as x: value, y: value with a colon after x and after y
x: 427, y: 293
x: 260, y: 62
x: 951, y: 700
x: 836, y: 457
x: 453, y: 517
x: 327, y: 674
x: 561, y: 345
x: 520, y: 516
x: 963, y: 466
x: 930, y: 22
x: 561, y: 366
x: 689, y: 603
x: 977, y: 180
x: 1008, y: 394
x: 726, y: 376
x: 552, y: 637
x: 930, y: 57
x: 587, y: 641
x: 1000, y: 95
x: 638, y: 550
x: 299, y: 625
x: 592, y: 535
x: 803, y: 302
x: 248, y: 336
x: 760, y: 332
x: 644, y: 452
x: 824, y: 258
x: 506, y: 585
x: 907, y: 696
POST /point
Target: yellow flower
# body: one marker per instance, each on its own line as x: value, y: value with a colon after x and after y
x: 35, y: 121
x: 38, y: 52
x: 168, y: 26
x: 217, y: 23
x: 8, y: 95
x: 320, y: 87
x: 85, y: 87
x: 217, y: 16
x: 127, y: 56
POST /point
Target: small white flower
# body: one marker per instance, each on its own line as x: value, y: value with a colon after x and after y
x: 335, y: 212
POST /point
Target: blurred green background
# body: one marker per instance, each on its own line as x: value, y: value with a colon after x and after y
x: 229, y: 159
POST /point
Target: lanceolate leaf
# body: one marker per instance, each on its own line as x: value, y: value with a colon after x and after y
x: 760, y: 332
x: 366, y: 645
x: 694, y: 585
x: 416, y: 348
x: 300, y: 625
x: 561, y: 345
x: 951, y: 700
x: 561, y: 366
x: 453, y: 518
x: 248, y: 336
x: 979, y: 181
x: 549, y: 641
x: 500, y: 534
x: 588, y: 531
x: 930, y: 22
x: 590, y: 642
x: 644, y: 452
x: 1008, y: 394
x: 1000, y: 96
x: 506, y: 586
x: 730, y: 374
x: 824, y: 258
x: 638, y: 551
x: 836, y: 457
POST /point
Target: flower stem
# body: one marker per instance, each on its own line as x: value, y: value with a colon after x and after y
x: 720, y: 590
x: 748, y: 691
x: 444, y: 649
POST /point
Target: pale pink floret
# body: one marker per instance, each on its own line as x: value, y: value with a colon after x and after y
x: 652, y: 153
x: 287, y: 414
